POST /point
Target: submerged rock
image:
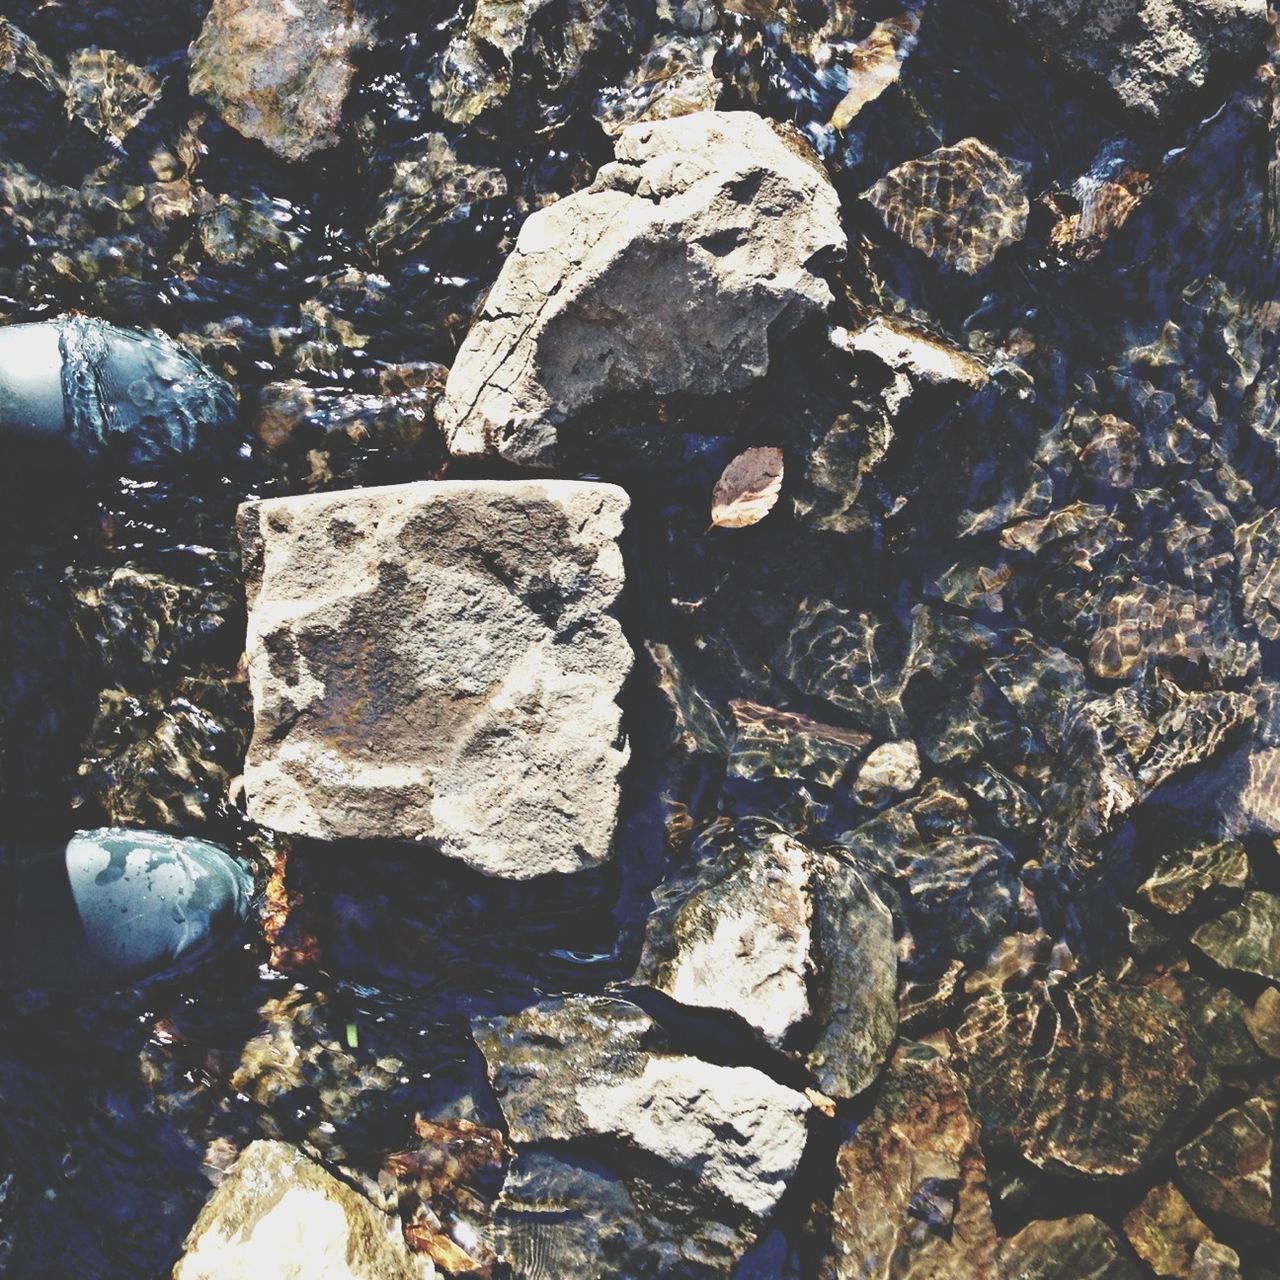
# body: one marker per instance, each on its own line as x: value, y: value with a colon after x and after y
x: 1164, y: 1231
x: 1246, y: 938
x: 118, y: 397
x: 1191, y: 877
x: 440, y: 661
x: 911, y: 1196
x: 279, y: 1214
x: 1230, y: 1167
x: 720, y: 209
x: 118, y: 906
x: 279, y: 72
x: 1077, y: 1248
x: 109, y: 93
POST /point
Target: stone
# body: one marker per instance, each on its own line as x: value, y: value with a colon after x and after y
x: 1084, y: 1077
x: 583, y: 1067
x: 1164, y: 1231
x: 892, y: 769
x: 1263, y: 1022
x: 1246, y: 938
x: 1184, y: 877
x: 439, y: 661
x: 922, y: 360
x: 279, y: 73
x: 724, y: 210
x: 1081, y: 1247
x: 783, y: 938
x: 1214, y: 1261
x: 108, y: 92
x: 676, y: 77
x: 911, y: 1194
x: 1151, y: 55
x: 960, y: 205
x: 280, y: 1214
x: 770, y: 743
x: 1229, y: 1168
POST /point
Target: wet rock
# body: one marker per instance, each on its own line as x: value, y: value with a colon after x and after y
x: 1246, y: 938
x: 1185, y: 878
x: 589, y: 1067
x: 1214, y: 1261
x: 784, y: 744
x: 594, y: 302
x: 891, y: 769
x: 1164, y: 1231
x: 1046, y: 1068
x: 439, y: 661
x: 675, y: 78
x: 78, y: 387
x: 279, y: 73
x: 1263, y: 1021
x: 119, y: 906
x: 781, y: 936
x: 278, y: 1213
x: 1152, y: 55
x: 911, y: 1196
x: 1229, y: 1168
x: 923, y: 361
x: 109, y: 93
x: 960, y: 205
x: 1077, y: 1248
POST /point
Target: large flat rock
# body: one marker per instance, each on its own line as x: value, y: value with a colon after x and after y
x: 439, y: 661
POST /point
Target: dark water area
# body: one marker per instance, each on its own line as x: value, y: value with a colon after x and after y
x: 334, y: 313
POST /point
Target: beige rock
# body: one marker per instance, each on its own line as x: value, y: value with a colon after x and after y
x: 1164, y: 1231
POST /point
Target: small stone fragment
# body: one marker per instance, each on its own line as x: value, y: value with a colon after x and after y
x: 1247, y: 938
x: 748, y: 488
x: 960, y: 204
x: 1184, y: 878
x: 108, y: 92
x: 1164, y: 1231
x: 1077, y: 1248
x: 892, y: 769
x: 770, y: 743
x: 1214, y: 1261
x: 874, y: 64
x: 1263, y: 1021
x: 922, y: 360
x: 279, y: 72
x: 1229, y: 1168
x: 440, y: 661
x: 278, y: 1213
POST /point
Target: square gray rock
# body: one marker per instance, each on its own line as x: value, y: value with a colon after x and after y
x: 439, y: 661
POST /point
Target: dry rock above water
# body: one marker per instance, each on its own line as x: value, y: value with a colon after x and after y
x: 674, y: 272
x: 280, y: 1214
x: 439, y: 661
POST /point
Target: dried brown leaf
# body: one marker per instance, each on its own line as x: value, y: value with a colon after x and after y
x: 748, y: 488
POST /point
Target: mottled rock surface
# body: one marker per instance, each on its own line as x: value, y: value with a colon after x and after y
x: 1081, y: 1247
x: 1185, y: 877
x: 280, y: 1214
x: 439, y: 661
x: 1246, y: 938
x: 279, y: 72
x: 911, y: 1197
x: 1230, y: 1167
x: 1164, y: 1230
x: 672, y: 273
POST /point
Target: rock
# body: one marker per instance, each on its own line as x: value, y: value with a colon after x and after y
x: 583, y: 1067
x: 1214, y: 1261
x: 721, y: 208
x: 911, y: 1193
x: 891, y: 769
x: 782, y: 937
x: 279, y: 72
x: 119, y: 906
x: 784, y: 744
x: 1152, y: 55
x: 960, y: 204
x: 676, y: 77
x: 1184, y: 878
x: 439, y: 661
x: 122, y: 397
x: 1077, y: 1248
x: 1263, y: 1021
x: 1229, y: 1168
x: 1164, y: 1231
x: 1246, y: 938
x: 1045, y: 1068
x: 109, y: 93
x: 923, y: 361
x: 279, y: 1214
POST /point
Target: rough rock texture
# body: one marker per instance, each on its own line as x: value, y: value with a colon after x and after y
x: 1152, y: 54
x: 911, y: 1194
x: 438, y: 661
x: 1078, y: 1248
x: 671, y: 273
x: 1214, y: 1261
x: 1164, y: 1230
x: 278, y: 72
x: 1230, y: 1167
x: 891, y: 769
x: 1044, y: 1068
x: 279, y: 1214
x: 1184, y: 877
x: 581, y: 1067
x: 1246, y: 938
x: 782, y: 937
x: 1263, y: 1022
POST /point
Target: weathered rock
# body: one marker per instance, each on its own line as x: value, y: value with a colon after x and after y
x: 911, y: 1197
x: 1263, y: 1021
x: 1164, y: 1231
x: 782, y: 937
x: 721, y: 209
x: 1152, y: 54
x: 1246, y: 938
x: 1085, y: 1077
x: 1230, y: 1167
x: 960, y: 204
x: 922, y: 360
x: 1214, y: 1261
x: 1077, y: 1248
x: 279, y: 1214
x: 891, y: 769
x: 784, y: 744
x: 279, y: 72
x: 108, y: 92
x: 675, y: 78
x: 439, y: 661
x: 588, y: 1067
x: 1184, y: 878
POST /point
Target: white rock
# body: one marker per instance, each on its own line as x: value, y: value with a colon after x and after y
x: 671, y: 273
x: 891, y: 769
x: 439, y: 661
